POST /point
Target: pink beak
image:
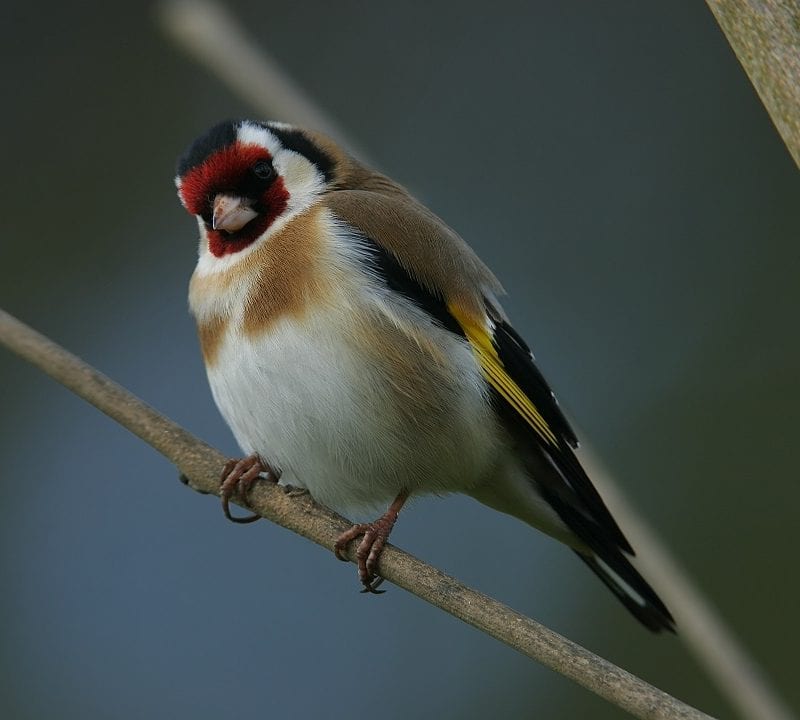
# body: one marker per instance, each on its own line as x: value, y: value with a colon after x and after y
x: 231, y: 213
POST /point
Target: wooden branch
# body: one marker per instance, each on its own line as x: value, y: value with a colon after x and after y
x: 765, y: 35
x: 202, y: 464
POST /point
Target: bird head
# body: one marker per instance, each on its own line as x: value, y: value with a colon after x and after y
x: 242, y: 177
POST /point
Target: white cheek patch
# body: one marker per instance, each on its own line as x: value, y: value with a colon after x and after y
x: 296, y: 170
x: 303, y: 181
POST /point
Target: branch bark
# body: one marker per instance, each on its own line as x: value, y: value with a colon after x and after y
x: 765, y: 35
x: 202, y: 464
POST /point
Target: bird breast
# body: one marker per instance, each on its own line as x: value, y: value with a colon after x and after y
x: 347, y: 391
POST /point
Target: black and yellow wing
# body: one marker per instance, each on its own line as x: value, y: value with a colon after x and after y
x: 509, y: 368
x: 528, y: 406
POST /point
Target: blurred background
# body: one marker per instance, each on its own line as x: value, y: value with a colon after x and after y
x: 610, y: 161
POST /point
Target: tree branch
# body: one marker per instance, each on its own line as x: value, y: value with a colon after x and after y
x: 202, y: 465
x: 765, y: 35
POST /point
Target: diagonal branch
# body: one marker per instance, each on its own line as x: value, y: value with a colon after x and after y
x: 765, y: 35
x: 202, y: 464
x: 217, y: 42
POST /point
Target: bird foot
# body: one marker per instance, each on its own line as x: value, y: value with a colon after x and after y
x: 237, y: 478
x: 375, y: 535
x: 368, y: 552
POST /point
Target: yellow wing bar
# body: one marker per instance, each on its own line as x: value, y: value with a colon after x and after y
x: 482, y: 346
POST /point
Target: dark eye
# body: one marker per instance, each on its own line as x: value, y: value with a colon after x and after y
x: 263, y: 170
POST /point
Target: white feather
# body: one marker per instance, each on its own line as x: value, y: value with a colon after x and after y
x: 621, y: 584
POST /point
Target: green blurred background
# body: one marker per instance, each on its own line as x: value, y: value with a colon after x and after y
x: 613, y: 165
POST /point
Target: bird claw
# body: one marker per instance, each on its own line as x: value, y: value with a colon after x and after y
x: 237, y: 478
x: 372, y: 588
x: 368, y: 552
x: 371, y: 546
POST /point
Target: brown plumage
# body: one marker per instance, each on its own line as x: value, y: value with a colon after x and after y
x: 289, y: 273
x: 210, y: 333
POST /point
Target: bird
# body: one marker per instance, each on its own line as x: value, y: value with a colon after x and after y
x: 356, y: 347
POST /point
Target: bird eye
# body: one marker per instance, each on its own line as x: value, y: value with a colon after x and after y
x: 263, y: 170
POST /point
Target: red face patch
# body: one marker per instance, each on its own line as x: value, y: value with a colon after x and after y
x: 226, y: 171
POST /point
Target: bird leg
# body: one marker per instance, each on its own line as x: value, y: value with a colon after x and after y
x: 369, y: 549
x: 237, y: 478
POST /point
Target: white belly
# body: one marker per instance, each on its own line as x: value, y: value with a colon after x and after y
x: 352, y: 427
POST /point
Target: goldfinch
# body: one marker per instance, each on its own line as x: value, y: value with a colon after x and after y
x: 355, y: 345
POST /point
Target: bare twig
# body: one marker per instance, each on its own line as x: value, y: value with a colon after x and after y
x: 202, y: 464
x: 212, y: 36
x: 765, y: 35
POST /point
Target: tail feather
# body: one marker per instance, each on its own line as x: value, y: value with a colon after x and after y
x: 632, y: 590
x: 608, y: 559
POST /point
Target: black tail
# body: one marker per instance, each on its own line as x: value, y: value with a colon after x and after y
x: 607, y: 549
x: 632, y: 590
